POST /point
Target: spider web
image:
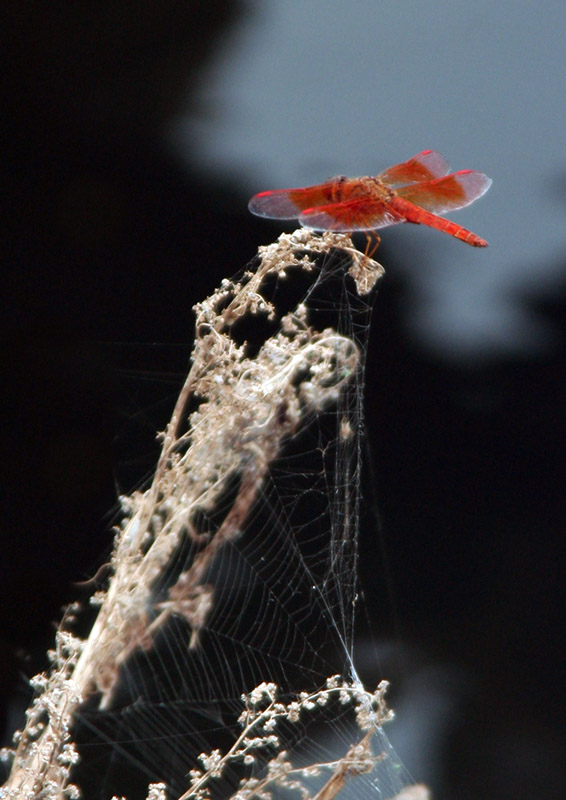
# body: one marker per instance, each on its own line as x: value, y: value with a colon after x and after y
x: 277, y: 601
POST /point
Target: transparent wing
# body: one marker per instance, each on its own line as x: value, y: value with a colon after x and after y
x: 422, y: 167
x: 449, y: 193
x: 288, y: 203
x: 360, y: 214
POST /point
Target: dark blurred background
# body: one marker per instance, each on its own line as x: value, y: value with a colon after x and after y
x: 134, y: 134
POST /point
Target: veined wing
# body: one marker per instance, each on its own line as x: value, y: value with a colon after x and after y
x: 360, y: 214
x: 289, y: 203
x: 449, y: 193
x: 423, y: 167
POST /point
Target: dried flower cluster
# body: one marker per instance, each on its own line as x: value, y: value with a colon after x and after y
x: 259, y: 720
x: 45, y: 752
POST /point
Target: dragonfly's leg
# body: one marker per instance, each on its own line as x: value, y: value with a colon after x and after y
x: 372, y: 243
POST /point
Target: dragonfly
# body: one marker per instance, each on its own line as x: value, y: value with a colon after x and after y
x: 418, y: 190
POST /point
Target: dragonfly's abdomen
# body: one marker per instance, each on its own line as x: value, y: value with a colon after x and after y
x: 419, y: 216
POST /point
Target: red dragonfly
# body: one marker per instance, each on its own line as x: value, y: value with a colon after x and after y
x: 417, y: 191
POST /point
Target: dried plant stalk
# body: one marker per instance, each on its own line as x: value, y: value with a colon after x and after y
x: 247, y: 407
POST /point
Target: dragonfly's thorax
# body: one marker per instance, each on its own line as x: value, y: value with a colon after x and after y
x: 365, y: 186
x: 378, y: 188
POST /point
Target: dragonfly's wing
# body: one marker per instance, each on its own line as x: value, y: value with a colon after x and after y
x: 360, y: 214
x: 422, y: 167
x: 289, y: 203
x: 449, y: 193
